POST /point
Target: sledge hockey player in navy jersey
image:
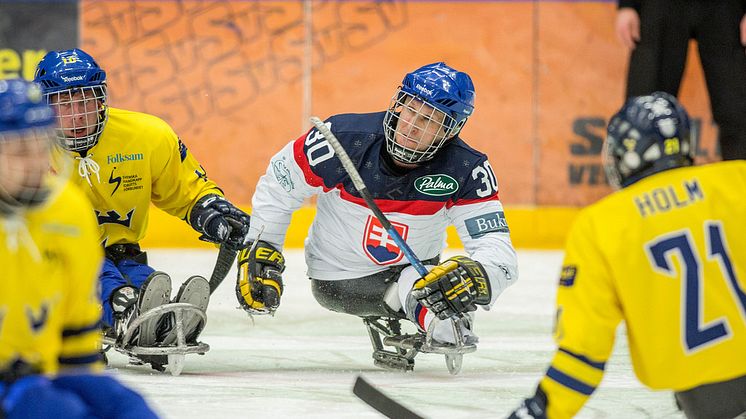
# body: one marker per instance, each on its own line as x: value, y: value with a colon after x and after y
x: 423, y: 177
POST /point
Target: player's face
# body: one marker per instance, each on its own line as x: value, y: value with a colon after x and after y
x: 419, y: 126
x: 24, y: 162
x: 77, y: 111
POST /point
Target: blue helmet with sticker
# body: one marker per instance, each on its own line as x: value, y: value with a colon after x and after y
x: 648, y: 135
x: 431, y: 106
x: 22, y: 107
x: 26, y: 134
x: 447, y: 89
x: 62, y: 70
x: 75, y: 85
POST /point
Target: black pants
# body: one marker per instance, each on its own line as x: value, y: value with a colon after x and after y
x: 723, y: 400
x: 657, y: 63
x: 118, y: 252
x: 362, y: 297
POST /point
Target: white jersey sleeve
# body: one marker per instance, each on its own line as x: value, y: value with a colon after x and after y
x: 280, y: 191
x: 484, y: 232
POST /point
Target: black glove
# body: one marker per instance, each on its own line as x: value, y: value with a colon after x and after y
x: 122, y: 298
x: 259, y: 284
x: 533, y: 408
x: 455, y: 286
x: 220, y: 222
x: 14, y: 371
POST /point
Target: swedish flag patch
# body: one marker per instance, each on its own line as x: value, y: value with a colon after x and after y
x: 567, y: 277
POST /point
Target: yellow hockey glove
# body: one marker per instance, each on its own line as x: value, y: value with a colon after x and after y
x: 453, y: 287
x: 259, y: 284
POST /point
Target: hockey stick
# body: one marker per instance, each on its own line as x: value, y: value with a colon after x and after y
x: 223, y: 264
x: 381, y: 402
x: 363, y: 190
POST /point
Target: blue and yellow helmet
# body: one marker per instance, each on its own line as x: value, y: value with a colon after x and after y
x: 648, y: 135
x: 75, y: 86
x: 26, y: 136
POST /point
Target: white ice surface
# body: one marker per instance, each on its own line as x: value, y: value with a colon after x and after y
x: 302, y: 362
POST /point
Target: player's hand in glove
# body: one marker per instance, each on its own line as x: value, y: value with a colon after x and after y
x: 455, y: 286
x: 259, y: 284
x: 220, y: 222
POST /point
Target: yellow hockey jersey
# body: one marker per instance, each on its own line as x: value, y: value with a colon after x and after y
x: 141, y: 160
x: 49, y: 306
x: 666, y: 256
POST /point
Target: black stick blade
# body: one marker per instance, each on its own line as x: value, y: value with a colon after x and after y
x: 223, y: 264
x: 381, y: 402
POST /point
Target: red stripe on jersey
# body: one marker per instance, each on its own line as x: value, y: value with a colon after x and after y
x: 302, y: 161
x: 494, y: 197
x: 390, y: 205
x: 416, y: 207
x: 420, y: 313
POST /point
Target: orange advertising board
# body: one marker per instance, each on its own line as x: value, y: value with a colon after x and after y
x: 238, y: 79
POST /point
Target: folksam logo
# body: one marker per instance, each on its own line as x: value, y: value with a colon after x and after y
x: 436, y: 185
x: 121, y: 158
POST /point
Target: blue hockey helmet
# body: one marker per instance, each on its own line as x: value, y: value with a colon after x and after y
x: 22, y: 107
x: 62, y: 70
x: 447, y: 89
x: 75, y: 85
x: 26, y: 134
x: 648, y: 135
x: 442, y: 97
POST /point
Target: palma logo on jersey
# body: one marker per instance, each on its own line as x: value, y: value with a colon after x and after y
x: 436, y: 185
x: 379, y: 245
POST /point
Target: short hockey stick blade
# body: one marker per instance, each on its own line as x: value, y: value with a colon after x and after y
x: 381, y: 402
x: 222, y: 266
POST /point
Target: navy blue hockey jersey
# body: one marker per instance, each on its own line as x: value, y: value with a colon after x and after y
x: 346, y: 241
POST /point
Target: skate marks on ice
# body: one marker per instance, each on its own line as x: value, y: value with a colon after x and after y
x: 303, y: 361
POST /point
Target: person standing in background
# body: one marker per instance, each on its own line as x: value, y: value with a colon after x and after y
x: 657, y: 32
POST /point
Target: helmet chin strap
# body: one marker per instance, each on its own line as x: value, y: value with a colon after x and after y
x: 395, y: 167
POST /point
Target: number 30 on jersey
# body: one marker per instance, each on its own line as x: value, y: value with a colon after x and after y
x: 318, y: 151
x: 485, y: 174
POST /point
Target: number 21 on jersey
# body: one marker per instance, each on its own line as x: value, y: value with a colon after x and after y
x: 661, y: 250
